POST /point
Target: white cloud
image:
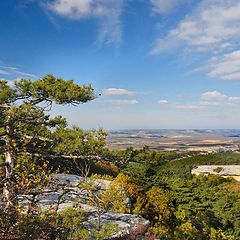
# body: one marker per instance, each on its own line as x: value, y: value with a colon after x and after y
x: 123, y: 102
x: 213, y: 96
x: 3, y: 72
x: 163, y: 102
x: 106, y: 12
x: 226, y: 67
x: 25, y: 74
x: 209, y: 100
x: 211, y: 103
x: 9, y: 67
x: 118, y: 91
x: 187, y: 107
x: 213, y: 24
x: 15, y: 72
x: 74, y: 8
x: 234, y: 98
x: 164, y: 6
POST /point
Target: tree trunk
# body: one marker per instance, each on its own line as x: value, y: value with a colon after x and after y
x: 7, y: 185
x: 9, y: 195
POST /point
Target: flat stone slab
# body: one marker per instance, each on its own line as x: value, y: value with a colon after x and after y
x: 223, y: 170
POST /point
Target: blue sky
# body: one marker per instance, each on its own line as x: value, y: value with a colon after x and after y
x: 157, y: 63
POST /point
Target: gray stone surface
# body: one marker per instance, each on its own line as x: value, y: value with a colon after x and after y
x: 126, y: 222
x: 223, y: 170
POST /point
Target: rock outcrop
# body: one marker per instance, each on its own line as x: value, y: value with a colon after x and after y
x: 126, y: 223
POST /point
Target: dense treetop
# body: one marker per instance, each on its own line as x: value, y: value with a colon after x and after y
x: 48, y: 88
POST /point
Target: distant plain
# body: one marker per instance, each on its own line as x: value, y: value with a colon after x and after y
x: 200, y: 140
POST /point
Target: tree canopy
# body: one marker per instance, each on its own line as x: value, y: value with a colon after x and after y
x: 25, y: 127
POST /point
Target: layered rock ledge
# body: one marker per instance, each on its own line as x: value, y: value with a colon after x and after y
x: 126, y: 223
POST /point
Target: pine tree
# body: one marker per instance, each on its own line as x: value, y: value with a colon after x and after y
x: 25, y: 128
